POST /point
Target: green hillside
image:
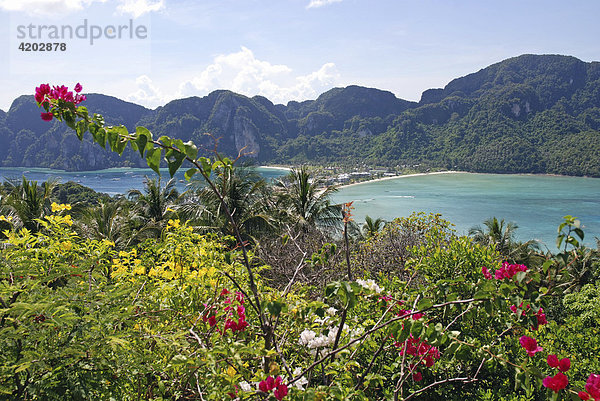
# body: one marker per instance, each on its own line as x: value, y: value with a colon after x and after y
x: 528, y: 114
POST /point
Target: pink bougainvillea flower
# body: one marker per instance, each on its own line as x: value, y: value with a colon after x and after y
x: 556, y: 383
x: 47, y: 116
x: 552, y: 361
x: 39, y: 97
x: 78, y: 87
x: 486, y: 273
x: 564, y: 365
x: 541, y: 317
x: 530, y: 345
x: 224, y: 292
x: 417, y: 376
x: 281, y: 389
x: 583, y: 395
x: 262, y: 386
x: 593, y: 386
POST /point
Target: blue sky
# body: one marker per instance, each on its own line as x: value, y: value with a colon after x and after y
x: 285, y: 49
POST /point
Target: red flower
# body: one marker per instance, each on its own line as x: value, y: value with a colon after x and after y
x: 281, y: 391
x: 486, y: 273
x: 47, y: 116
x: 530, y: 345
x: 583, y: 395
x: 552, y: 361
x: 417, y: 376
x: 78, y: 87
x: 541, y: 317
x: 564, y: 365
x: 556, y: 383
x: 593, y: 386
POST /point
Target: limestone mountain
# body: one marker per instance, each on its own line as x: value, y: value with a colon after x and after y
x: 528, y: 114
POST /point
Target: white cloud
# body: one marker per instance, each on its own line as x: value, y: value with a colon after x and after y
x: 64, y: 7
x: 46, y: 7
x: 321, y: 3
x: 147, y: 94
x: 139, y: 7
x: 243, y: 73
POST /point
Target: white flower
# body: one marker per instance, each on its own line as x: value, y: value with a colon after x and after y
x: 331, y: 311
x: 370, y: 284
x: 301, y: 382
x: 306, y: 337
x: 245, y: 386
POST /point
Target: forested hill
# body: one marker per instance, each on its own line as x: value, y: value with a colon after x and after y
x: 528, y: 114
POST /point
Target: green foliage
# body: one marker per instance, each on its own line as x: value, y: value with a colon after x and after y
x: 186, y: 316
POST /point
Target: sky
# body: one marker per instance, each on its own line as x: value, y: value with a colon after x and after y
x: 281, y: 49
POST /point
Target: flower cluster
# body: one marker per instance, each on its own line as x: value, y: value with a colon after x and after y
x: 541, y: 316
x: 370, y: 285
x: 592, y: 388
x: 235, y: 316
x: 556, y: 383
x: 417, y: 348
x: 559, y: 381
x: 276, y: 384
x: 310, y: 339
x: 563, y: 365
x: 44, y: 94
x: 506, y: 271
x: 530, y: 345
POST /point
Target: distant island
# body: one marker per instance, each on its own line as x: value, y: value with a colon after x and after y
x: 528, y: 114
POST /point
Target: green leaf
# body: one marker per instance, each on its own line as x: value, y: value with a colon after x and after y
x: 99, y: 134
x: 206, y: 165
x: 174, y: 159
x: 416, y: 329
x: 153, y: 159
x: 190, y: 173
x: 81, y: 128
x: 117, y: 138
x: 425, y: 303
x: 275, y: 307
x: 191, y: 150
x: 143, y: 136
x: 405, y: 331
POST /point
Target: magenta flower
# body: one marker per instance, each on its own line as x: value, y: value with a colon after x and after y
x: 593, y: 386
x: 530, y: 345
x: 417, y: 376
x: 552, y: 361
x: 78, y: 87
x: 486, y: 273
x: 583, y: 395
x: 281, y: 389
x: 556, y: 383
x: 564, y: 365
x: 47, y: 116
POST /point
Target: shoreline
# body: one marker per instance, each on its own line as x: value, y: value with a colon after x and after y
x: 396, y: 177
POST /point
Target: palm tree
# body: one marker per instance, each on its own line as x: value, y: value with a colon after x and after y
x: 502, y: 235
x: 307, y: 203
x: 156, y: 202
x: 372, y: 227
x: 244, y: 192
x: 113, y: 221
x: 29, y: 202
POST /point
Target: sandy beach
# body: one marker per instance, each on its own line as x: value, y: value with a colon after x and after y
x: 399, y: 176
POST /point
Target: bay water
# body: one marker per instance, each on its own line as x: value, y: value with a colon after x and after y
x: 536, y: 203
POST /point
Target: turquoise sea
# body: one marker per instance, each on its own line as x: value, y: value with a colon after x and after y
x: 111, y: 181
x: 536, y: 203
